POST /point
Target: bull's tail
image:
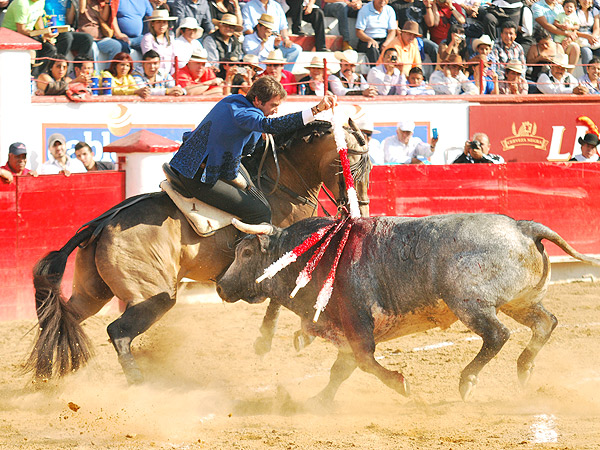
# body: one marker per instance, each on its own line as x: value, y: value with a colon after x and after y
x: 538, y: 232
x: 61, y: 345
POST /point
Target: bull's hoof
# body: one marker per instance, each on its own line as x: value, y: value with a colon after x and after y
x: 467, y: 386
x: 130, y: 369
x: 524, y: 373
x: 262, y: 346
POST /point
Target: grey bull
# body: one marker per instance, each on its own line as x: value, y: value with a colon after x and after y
x: 399, y: 276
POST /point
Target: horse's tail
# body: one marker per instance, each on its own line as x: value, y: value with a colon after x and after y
x: 61, y: 345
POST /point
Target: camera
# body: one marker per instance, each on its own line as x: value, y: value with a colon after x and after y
x: 476, y: 145
x: 393, y: 58
x: 461, y: 37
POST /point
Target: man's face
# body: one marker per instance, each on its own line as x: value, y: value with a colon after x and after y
x: 484, y: 49
x: 316, y: 74
x: 454, y: 69
x: 407, y: 38
x: 404, y: 136
x: 151, y: 66
x: 557, y: 71
x: 190, y: 33
x: 593, y: 71
x: 379, y: 4
x: 270, y: 107
x: 415, y: 79
x: 347, y: 68
x: 390, y: 57
x: 511, y: 75
x: 58, y: 150
x: 226, y: 30
x: 87, y: 68
x: 196, y: 68
x: 263, y: 32
x: 587, y: 150
x: 274, y: 70
x: 85, y: 156
x: 508, y: 36
x: 17, y: 162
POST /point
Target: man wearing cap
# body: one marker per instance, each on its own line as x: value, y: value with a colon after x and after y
x: 367, y: 128
x: 589, y: 152
x: 404, y: 148
x: 15, y: 166
x: 59, y: 162
x: 198, y: 9
x: 559, y: 81
x: 506, y: 48
x: 253, y: 10
x: 407, y: 47
x: 514, y: 82
x: 346, y: 81
x: 375, y: 28
x: 197, y: 79
x: 222, y: 45
x: 314, y: 82
x: 209, y: 159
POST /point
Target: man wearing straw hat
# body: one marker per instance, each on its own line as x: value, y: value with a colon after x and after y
x: 346, y: 81
x: 187, y: 40
x: 514, y: 82
x: 222, y: 45
x: 208, y: 161
x: 274, y: 67
x: 262, y: 41
x: 254, y: 10
x: 314, y: 82
x: 559, y: 81
x: 197, y: 79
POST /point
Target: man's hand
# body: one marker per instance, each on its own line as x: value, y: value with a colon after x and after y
x: 370, y: 92
x: 287, y: 43
x: 143, y: 92
x: 6, y: 175
x: 372, y: 43
x: 308, y: 8
x: 327, y: 102
x: 580, y: 90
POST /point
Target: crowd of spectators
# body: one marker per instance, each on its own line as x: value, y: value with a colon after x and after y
x: 511, y: 47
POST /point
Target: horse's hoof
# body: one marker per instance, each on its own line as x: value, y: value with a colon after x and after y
x: 524, y: 373
x: 467, y: 386
x: 262, y: 346
x: 132, y: 372
x: 300, y: 340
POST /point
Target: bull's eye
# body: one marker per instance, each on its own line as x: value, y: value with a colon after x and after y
x: 246, y: 253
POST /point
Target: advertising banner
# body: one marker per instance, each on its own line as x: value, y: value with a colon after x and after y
x: 533, y: 132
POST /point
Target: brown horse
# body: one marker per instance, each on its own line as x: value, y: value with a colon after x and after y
x: 139, y: 251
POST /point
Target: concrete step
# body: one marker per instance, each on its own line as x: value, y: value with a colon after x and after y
x: 334, y: 43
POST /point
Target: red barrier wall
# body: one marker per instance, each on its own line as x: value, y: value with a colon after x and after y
x: 563, y: 196
x: 40, y: 214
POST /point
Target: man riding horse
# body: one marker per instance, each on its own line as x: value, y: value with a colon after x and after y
x: 208, y: 161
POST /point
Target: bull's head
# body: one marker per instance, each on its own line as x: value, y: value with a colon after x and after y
x: 251, y: 258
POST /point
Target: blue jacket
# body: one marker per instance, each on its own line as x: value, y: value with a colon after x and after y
x: 229, y: 131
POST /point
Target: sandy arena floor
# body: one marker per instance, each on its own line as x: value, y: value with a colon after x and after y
x: 206, y: 389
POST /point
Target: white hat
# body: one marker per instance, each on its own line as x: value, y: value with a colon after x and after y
x: 275, y: 57
x: 350, y: 56
x: 483, y: 40
x: 516, y: 66
x: 365, y: 124
x: 406, y: 125
x: 562, y: 61
x: 199, y: 55
x: 189, y: 23
x: 159, y: 14
x: 252, y: 61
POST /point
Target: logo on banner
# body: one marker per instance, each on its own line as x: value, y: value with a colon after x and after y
x: 525, y: 135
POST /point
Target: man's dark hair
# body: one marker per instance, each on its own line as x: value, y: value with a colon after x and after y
x: 81, y: 145
x: 595, y: 60
x: 570, y: 1
x: 508, y: 24
x: 264, y: 89
x: 416, y: 70
x: 150, y: 54
x: 390, y: 49
x: 79, y: 60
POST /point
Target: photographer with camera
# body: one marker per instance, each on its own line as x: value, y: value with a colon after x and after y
x: 478, y: 151
x: 454, y: 44
x: 239, y: 77
x: 387, y: 77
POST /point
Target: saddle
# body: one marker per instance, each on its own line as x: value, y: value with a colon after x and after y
x: 205, y: 219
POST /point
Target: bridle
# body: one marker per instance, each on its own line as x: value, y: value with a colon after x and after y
x: 359, y: 170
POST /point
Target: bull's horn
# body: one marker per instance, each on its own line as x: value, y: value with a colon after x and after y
x: 360, y: 137
x: 263, y: 228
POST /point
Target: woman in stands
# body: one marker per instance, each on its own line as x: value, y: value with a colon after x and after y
x: 119, y: 72
x: 55, y: 81
x: 454, y: 44
x: 160, y: 39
